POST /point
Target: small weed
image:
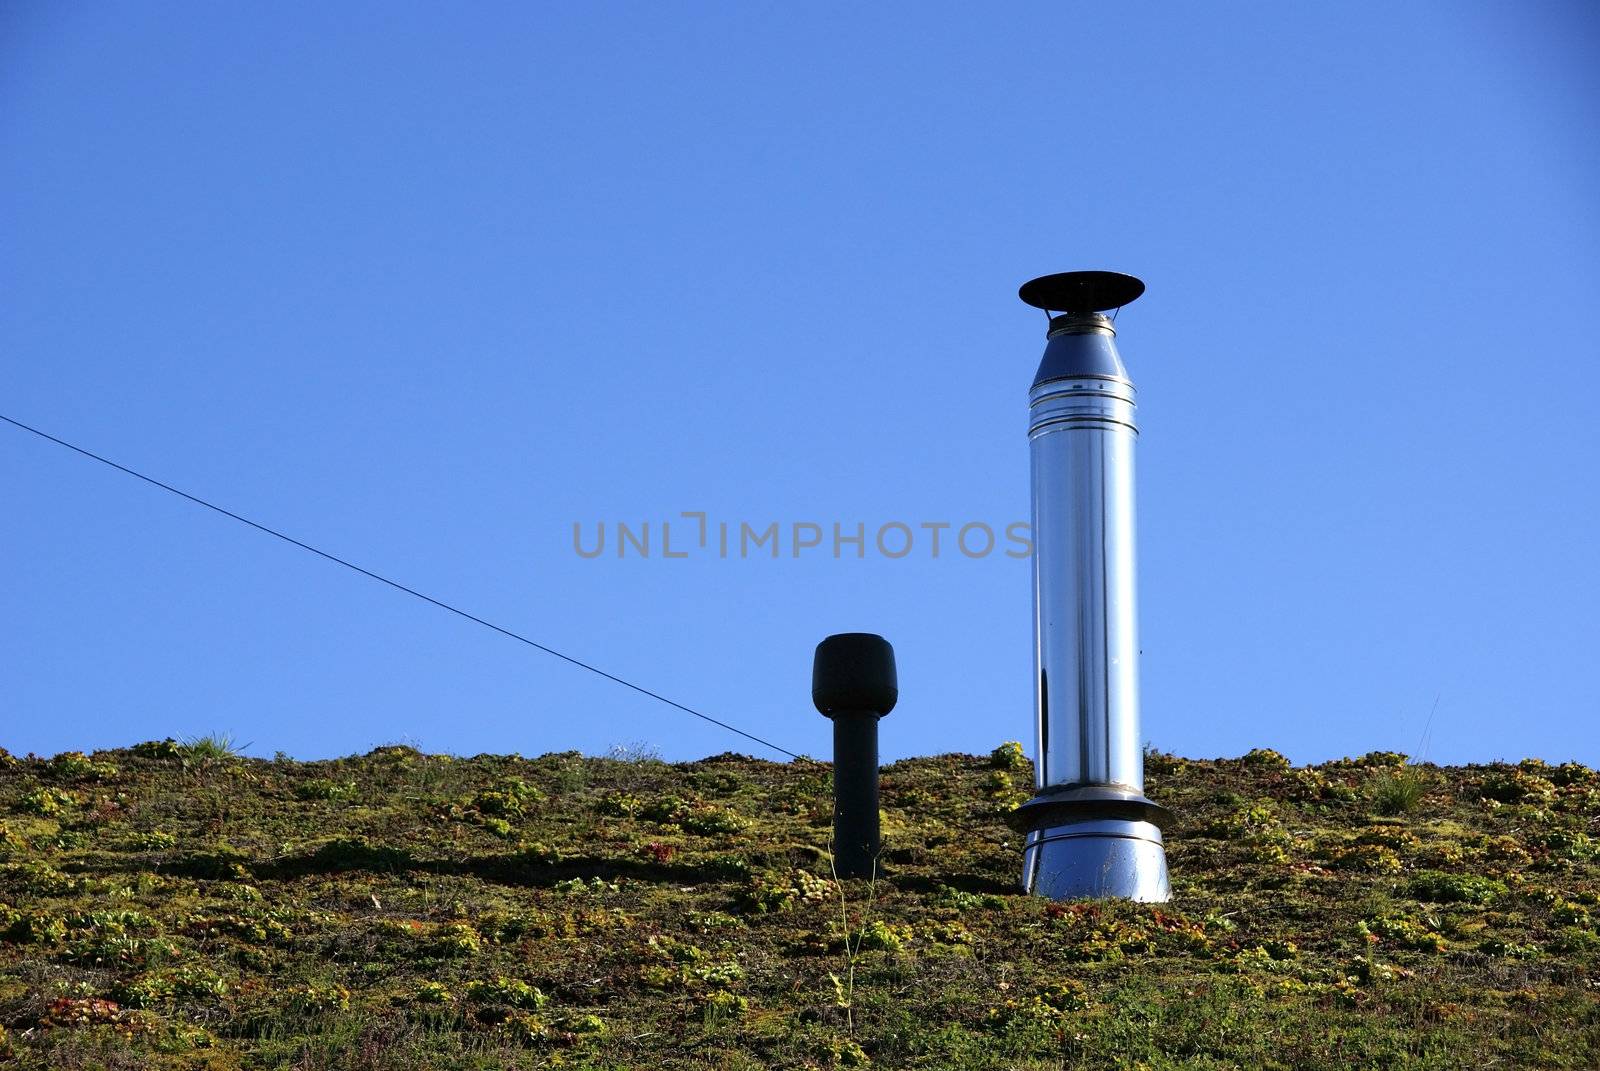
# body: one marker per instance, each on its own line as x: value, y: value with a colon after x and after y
x: 714, y: 921
x: 1515, y: 785
x: 1265, y: 758
x: 1315, y: 785
x: 713, y: 821
x: 843, y: 1052
x: 509, y: 991
x: 317, y: 997
x: 158, y: 749
x: 634, y: 751
x: 1158, y: 763
x: 593, y: 887
x: 667, y: 810
x: 1380, y: 759
x: 1258, y: 831
x: 1568, y: 845
x: 945, y: 896
x: 590, y: 1026
x: 619, y: 805
x: 1362, y: 970
x: 510, y: 799
x: 845, y: 988
x: 431, y: 992
x: 455, y: 941
x: 1445, y: 888
x: 1400, y: 932
x: 772, y: 894
x: 34, y: 928
x: 998, y: 783
x: 1370, y: 858
x: 46, y: 802
x: 719, y: 1005
x: 1572, y: 773
x: 40, y: 879
x: 1568, y: 912
x: 658, y: 852
x: 1502, y: 949
x: 78, y: 766
x: 881, y: 936
x: 1009, y: 756
x: 525, y: 1029
x: 322, y: 788
x: 160, y: 987
x: 569, y: 776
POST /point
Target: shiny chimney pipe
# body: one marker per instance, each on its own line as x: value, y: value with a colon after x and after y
x: 1090, y: 831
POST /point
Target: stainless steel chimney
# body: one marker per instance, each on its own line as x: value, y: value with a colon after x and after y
x: 1090, y: 831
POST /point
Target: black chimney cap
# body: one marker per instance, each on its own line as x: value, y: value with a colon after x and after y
x: 854, y: 671
x: 1081, y: 291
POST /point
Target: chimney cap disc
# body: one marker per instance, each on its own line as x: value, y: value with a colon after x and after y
x: 1081, y: 291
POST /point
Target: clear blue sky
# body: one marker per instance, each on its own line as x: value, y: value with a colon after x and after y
x: 426, y: 284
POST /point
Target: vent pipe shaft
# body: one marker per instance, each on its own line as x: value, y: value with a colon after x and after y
x: 853, y: 682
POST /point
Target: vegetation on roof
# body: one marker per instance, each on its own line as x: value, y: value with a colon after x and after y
x: 181, y: 906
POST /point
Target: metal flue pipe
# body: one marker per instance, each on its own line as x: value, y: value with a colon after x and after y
x: 1090, y: 831
x: 853, y: 682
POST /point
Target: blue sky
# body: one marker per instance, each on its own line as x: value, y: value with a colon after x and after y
x: 427, y: 284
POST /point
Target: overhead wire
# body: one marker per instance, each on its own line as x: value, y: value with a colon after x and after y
x: 440, y: 603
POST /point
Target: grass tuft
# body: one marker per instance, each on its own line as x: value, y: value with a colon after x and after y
x: 213, y: 746
x: 1398, y: 791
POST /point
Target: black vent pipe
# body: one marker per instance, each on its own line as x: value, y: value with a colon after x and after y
x: 853, y: 683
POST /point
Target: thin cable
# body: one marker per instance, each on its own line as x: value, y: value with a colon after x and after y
x: 401, y: 587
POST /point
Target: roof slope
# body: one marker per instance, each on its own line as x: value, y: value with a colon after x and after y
x: 170, y: 906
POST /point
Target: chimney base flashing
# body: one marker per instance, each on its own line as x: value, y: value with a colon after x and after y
x: 1097, y: 858
x: 1075, y: 803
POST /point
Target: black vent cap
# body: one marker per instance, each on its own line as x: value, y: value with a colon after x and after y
x: 854, y: 671
x: 1081, y: 291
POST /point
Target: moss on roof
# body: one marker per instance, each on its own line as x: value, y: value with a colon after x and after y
x: 172, y: 906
